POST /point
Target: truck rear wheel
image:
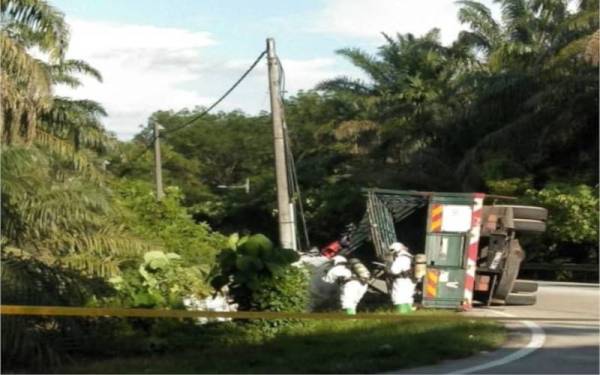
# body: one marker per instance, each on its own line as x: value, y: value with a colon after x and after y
x: 528, y: 225
x: 521, y: 299
x: 510, y: 271
x: 525, y: 286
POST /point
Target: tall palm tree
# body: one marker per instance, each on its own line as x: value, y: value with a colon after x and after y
x: 26, y: 83
x: 60, y: 222
x: 409, y: 93
x: 536, y: 88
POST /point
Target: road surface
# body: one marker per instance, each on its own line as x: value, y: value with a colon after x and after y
x: 541, y: 347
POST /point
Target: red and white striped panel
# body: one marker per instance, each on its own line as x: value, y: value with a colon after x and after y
x: 473, y: 249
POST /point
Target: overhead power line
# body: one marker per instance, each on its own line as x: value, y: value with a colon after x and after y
x: 206, y: 111
x: 203, y: 113
x: 291, y: 165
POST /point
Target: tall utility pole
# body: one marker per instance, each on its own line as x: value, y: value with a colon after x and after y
x: 157, y: 163
x: 286, y: 220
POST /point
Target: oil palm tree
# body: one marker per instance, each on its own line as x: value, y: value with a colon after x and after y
x: 26, y: 83
x: 408, y: 94
x: 55, y: 213
x: 60, y: 223
x: 537, y: 87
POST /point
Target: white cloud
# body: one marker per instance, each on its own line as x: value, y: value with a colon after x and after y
x: 302, y: 74
x: 299, y: 74
x: 143, y: 69
x: 148, y: 68
x: 367, y: 19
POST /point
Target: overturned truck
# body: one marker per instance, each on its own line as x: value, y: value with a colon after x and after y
x: 471, y: 250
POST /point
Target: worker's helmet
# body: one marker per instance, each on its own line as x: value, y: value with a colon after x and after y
x: 398, y: 247
x: 338, y: 259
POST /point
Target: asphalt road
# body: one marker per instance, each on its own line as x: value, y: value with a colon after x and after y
x: 546, y: 347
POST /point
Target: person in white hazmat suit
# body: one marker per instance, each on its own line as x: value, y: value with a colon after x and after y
x: 351, y: 288
x: 403, y: 287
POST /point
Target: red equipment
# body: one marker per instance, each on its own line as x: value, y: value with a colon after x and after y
x: 331, y: 249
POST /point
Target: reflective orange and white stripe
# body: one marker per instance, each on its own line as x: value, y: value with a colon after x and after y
x: 431, y: 283
x: 437, y: 211
x: 473, y: 249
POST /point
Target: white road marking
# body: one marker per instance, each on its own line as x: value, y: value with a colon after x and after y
x: 538, y: 337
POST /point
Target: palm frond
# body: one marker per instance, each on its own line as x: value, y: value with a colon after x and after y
x: 37, y: 342
x: 480, y: 20
x: 43, y: 20
x: 67, y: 151
x: 63, y: 72
x: 24, y: 93
x: 344, y: 84
x: 364, y: 61
x: 517, y: 17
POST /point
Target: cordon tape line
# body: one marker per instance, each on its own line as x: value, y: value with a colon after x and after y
x: 162, y: 313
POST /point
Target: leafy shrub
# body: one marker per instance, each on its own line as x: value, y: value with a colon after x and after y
x: 573, y: 212
x: 162, y: 280
x: 286, y: 291
x: 261, y: 276
x: 509, y: 186
x: 40, y: 342
x: 168, y: 223
x: 572, y: 233
x: 189, y: 257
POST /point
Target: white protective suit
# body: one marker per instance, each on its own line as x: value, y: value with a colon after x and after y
x: 351, y: 291
x: 403, y: 288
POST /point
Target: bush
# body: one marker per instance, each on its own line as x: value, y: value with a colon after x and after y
x: 263, y: 278
x: 169, y: 224
x: 572, y: 233
x: 186, y: 251
x: 573, y: 212
x: 162, y: 280
x: 36, y: 343
x: 285, y: 291
x: 250, y: 262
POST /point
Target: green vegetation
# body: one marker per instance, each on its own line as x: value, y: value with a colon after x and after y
x: 510, y: 107
x: 262, y: 277
x: 313, y: 347
x: 574, y: 211
x: 259, y: 273
x: 507, y: 108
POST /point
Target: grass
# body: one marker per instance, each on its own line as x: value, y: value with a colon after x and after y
x: 360, y: 346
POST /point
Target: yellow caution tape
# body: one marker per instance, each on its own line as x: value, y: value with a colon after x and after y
x: 163, y: 313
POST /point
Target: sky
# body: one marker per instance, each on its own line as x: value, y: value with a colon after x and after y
x: 176, y: 54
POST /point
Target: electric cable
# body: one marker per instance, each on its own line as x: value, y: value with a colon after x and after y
x: 203, y: 113
x: 296, y: 187
x: 290, y: 163
x: 206, y: 111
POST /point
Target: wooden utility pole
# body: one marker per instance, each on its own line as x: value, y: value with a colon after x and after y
x: 157, y: 163
x: 287, y: 238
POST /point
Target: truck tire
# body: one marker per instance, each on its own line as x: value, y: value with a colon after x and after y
x: 525, y: 286
x: 510, y: 271
x: 520, y: 299
x: 529, y: 225
x: 527, y: 212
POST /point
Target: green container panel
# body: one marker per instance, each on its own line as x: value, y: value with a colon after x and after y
x: 445, y: 249
x: 450, y: 289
